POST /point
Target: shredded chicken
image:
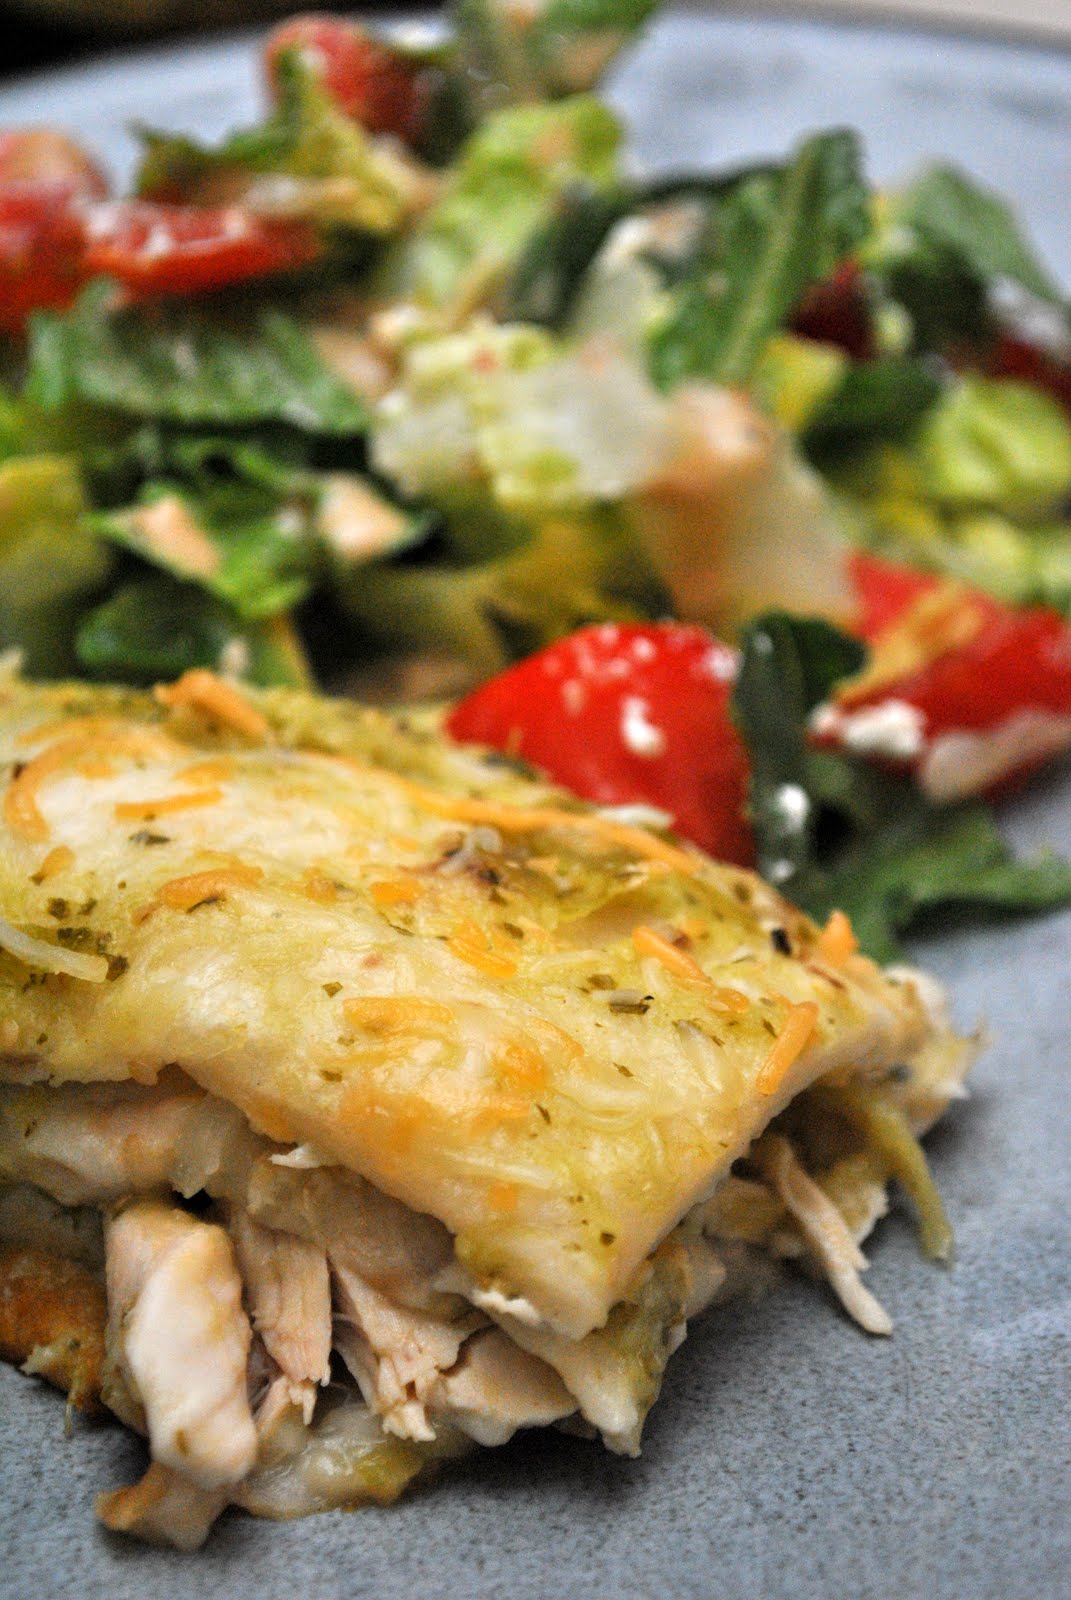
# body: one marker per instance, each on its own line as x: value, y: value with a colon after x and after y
x: 180, y: 1340
x: 163, y: 1507
x: 396, y: 1355
x: 824, y: 1230
x: 496, y: 1388
x: 93, y: 1143
x: 289, y: 1296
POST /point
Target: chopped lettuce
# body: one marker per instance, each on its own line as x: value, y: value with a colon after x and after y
x: 977, y: 489
x: 504, y: 187
x: 155, y: 627
x: 49, y: 567
x: 248, y: 520
x: 946, y: 220
x: 186, y: 365
x: 767, y: 240
x: 834, y: 832
x: 570, y: 571
x: 325, y: 167
x: 256, y: 557
x: 518, y: 55
x: 997, y: 444
x: 507, y: 411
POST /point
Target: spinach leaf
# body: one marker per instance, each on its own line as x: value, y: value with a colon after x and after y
x: 771, y: 237
x: 155, y: 628
x: 184, y: 364
x: 834, y: 831
x: 950, y: 213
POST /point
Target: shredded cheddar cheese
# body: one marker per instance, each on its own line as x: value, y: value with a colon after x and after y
x: 95, y: 767
x: 392, y: 1015
x: 21, y: 811
x: 318, y: 886
x: 182, y: 894
x: 220, y: 770
x: 521, y: 1066
x: 503, y: 1196
x: 650, y: 943
x: 528, y: 819
x: 837, y: 940
x: 525, y: 819
x: 940, y: 621
x: 200, y: 690
x: 395, y: 892
x: 147, y: 810
x: 470, y: 944
x: 56, y: 861
x: 795, y: 1036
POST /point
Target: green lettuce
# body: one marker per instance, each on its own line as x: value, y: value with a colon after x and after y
x: 514, y: 55
x: 154, y: 628
x: 834, y: 832
x: 50, y: 568
x: 343, y: 176
x: 186, y: 365
x: 505, y: 412
x: 996, y: 444
x: 768, y: 238
x: 484, y: 614
x: 502, y: 189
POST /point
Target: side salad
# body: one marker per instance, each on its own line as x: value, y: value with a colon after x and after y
x: 415, y: 377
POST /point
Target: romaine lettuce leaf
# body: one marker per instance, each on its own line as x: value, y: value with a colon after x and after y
x: 503, y: 187
x: 515, y: 55
x: 340, y: 174
x: 186, y: 365
x: 768, y: 239
x: 834, y: 832
x: 570, y: 571
x: 50, y: 568
x: 507, y: 412
x: 997, y: 444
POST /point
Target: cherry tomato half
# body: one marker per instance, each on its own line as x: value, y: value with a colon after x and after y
x: 373, y: 84
x: 622, y: 714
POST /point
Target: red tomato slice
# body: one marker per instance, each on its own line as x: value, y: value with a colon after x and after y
x: 41, y: 243
x: 994, y: 706
x: 53, y: 240
x: 624, y: 714
x: 370, y: 82
x: 161, y: 249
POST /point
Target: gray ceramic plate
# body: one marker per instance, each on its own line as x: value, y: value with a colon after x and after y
x: 789, y: 1456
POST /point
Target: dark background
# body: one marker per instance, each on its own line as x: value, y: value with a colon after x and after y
x: 26, y: 43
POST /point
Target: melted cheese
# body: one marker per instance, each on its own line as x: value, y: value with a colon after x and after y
x: 462, y: 1048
